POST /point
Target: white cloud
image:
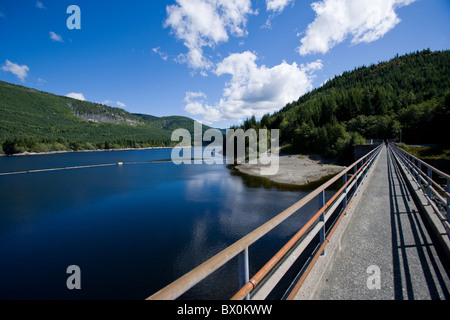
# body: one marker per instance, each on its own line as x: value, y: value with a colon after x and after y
x: 361, y: 20
x: 194, y: 103
x: 20, y: 71
x: 206, y: 23
x: 55, y: 37
x: 277, y: 6
x: 163, y: 56
x: 313, y: 66
x: 78, y: 96
x: 121, y: 104
x: 108, y: 102
x: 253, y: 90
x: 40, y: 5
x: 41, y: 81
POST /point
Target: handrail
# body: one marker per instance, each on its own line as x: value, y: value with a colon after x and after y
x: 192, y: 278
x: 419, y: 175
x: 252, y: 284
x: 435, y: 170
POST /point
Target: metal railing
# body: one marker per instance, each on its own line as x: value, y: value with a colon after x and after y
x: 427, y: 178
x: 262, y: 283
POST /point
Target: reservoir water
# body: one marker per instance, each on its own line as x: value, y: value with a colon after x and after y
x: 131, y: 229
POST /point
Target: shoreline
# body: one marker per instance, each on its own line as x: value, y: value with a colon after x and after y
x: 296, y: 170
x: 24, y: 154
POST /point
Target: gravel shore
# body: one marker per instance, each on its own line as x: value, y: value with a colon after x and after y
x: 294, y: 169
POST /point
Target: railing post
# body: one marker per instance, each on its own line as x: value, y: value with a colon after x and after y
x: 356, y: 177
x: 322, y: 219
x: 344, y: 202
x: 244, y: 270
x: 410, y: 166
x: 430, y: 175
x: 419, y: 174
x: 448, y: 205
x: 416, y: 170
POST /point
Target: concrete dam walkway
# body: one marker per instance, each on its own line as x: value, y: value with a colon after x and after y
x: 385, y: 251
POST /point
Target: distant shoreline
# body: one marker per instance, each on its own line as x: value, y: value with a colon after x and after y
x: 24, y: 154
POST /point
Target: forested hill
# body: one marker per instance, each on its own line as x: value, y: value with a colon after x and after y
x: 36, y: 121
x: 407, y: 97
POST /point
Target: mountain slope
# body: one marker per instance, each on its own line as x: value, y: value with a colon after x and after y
x: 36, y: 121
x: 407, y: 97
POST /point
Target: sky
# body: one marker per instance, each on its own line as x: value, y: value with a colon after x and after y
x: 216, y: 61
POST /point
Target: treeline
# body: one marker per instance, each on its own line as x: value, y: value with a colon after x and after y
x: 29, y: 143
x: 406, y: 98
x: 35, y: 145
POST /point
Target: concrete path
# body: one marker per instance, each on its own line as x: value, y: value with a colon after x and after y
x: 385, y: 252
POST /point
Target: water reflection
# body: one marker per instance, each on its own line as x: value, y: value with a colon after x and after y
x: 132, y: 229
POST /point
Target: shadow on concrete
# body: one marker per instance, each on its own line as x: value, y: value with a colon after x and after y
x: 409, y: 233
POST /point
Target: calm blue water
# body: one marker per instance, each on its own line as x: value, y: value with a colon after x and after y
x: 131, y: 229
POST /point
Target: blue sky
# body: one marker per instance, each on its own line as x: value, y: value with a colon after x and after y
x: 218, y: 61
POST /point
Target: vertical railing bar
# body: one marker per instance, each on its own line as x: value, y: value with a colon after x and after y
x: 448, y: 206
x: 420, y: 175
x: 430, y: 175
x: 322, y: 219
x: 244, y: 270
x: 417, y: 171
x: 408, y: 160
x: 344, y: 181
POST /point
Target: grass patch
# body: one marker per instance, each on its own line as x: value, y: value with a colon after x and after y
x: 427, y: 153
